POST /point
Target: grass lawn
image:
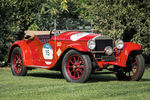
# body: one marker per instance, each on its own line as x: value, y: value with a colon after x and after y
x: 42, y: 84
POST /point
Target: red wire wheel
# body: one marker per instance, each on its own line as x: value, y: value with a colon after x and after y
x: 134, y: 70
x: 76, y: 67
x: 17, y: 65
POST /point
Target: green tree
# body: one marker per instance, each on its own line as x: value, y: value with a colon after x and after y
x: 125, y: 19
x: 16, y: 16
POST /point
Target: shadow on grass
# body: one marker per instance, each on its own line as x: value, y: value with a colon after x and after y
x: 102, y: 78
x: 93, y: 78
x: 47, y: 75
x: 145, y: 79
x: 109, y: 78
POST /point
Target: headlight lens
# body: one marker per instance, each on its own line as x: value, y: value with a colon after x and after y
x: 119, y: 44
x: 108, y: 50
x: 91, y: 44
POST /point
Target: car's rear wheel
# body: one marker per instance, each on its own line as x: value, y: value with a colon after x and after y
x: 134, y: 70
x: 76, y: 67
x: 17, y: 65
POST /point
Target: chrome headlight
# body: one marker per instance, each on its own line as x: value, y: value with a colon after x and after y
x: 91, y: 44
x: 119, y: 44
x: 108, y: 50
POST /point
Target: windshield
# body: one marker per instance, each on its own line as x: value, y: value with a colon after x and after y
x: 61, y: 26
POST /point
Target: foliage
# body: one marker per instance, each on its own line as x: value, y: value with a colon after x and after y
x: 125, y: 19
x: 16, y: 16
x: 121, y: 19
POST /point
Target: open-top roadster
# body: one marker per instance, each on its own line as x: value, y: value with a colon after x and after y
x: 76, y: 54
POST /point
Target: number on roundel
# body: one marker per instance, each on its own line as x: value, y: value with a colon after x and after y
x: 47, y: 51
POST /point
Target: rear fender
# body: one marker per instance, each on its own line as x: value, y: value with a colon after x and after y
x: 26, y: 52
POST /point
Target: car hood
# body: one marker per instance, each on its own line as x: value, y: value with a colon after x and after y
x: 77, y: 36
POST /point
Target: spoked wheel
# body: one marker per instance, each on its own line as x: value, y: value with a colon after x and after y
x: 17, y: 66
x: 134, y: 70
x: 76, y: 67
x: 17, y: 62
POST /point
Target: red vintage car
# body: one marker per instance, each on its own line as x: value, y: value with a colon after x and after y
x: 76, y: 54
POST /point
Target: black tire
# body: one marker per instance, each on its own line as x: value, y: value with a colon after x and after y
x: 134, y: 70
x: 79, y: 63
x: 17, y: 65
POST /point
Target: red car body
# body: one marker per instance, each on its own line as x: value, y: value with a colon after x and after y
x: 38, y: 54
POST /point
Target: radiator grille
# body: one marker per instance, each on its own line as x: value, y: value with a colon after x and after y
x: 101, y: 44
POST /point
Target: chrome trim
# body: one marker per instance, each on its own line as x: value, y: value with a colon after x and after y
x: 101, y: 37
x: 97, y: 51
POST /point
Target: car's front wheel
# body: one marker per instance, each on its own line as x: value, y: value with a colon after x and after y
x: 76, y: 67
x: 17, y: 65
x: 134, y: 69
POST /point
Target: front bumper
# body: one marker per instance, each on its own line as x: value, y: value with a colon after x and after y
x: 102, y: 59
x: 108, y: 58
x: 111, y: 60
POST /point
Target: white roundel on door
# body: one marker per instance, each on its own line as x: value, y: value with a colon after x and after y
x: 47, y: 51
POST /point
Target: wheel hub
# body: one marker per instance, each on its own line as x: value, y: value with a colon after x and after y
x: 75, y: 66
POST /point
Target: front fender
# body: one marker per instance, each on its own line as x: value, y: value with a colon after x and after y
x: 128, y: 48
x: 121, y: 59
x: 25, y: 49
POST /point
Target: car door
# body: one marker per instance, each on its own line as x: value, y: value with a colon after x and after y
x: 43, y: 50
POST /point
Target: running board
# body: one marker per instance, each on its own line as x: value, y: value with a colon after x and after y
x: 34, y: 66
